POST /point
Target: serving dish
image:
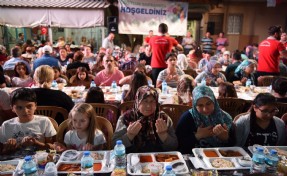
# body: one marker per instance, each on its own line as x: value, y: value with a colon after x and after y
x: 223, y: 158
x: 8, y: 167
x: 102, y: 162
x: 141, y: 163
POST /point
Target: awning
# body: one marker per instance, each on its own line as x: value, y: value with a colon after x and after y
x: 53, y: 13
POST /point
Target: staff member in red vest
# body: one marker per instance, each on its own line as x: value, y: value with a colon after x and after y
x: 160, y: 46
x: 270, y: 51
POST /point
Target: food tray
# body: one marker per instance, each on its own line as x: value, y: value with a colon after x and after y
x: 161, y: 159
x: 97, y: 155
x: 232, y: 155
x: 102, y: 159
x: 16, y: 163
x: 281, y: 149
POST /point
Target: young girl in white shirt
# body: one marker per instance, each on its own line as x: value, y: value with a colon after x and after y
x: 83, y: 133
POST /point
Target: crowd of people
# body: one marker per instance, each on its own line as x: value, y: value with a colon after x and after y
x: 144, y: 128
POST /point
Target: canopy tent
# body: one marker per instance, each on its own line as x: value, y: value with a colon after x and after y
x: 69, y: 18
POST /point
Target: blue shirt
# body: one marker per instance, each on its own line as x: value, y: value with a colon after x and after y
x: 10, y: 64
x: 46, y: 59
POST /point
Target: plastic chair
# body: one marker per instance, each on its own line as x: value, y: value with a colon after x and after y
x: 55, y: 124
x: 265, y: 80
x: 51, y: 111
x: 71, y: 72
x: 107, y: 111
x: 190, y: 72
x: 127, y: 72
x: 174, y: 111
x: 282, y: 109
x: 233, y: 106
x: 102, y: 123
x: 10, y: 73
x: 126, y: 106
x: 238, y: 116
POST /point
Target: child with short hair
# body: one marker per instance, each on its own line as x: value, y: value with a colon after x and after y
x: 83, y: 133
x: 58, y: 76
x: 27, y: 130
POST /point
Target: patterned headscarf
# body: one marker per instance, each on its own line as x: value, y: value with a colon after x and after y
x: 217, y: 117
x: 209, y: 67
x: 243, y: 65
x: 148, y: 131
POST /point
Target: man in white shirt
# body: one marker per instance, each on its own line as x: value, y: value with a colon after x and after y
x: 108, y: 42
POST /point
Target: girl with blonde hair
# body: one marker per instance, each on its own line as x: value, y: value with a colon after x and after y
x: 84, y: 133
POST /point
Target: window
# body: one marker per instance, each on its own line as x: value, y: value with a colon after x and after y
x: 234, y: 24
x: 215, y: 23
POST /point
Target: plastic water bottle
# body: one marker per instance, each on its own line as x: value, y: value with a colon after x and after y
x: 168, y: 171
x: 30, y: 167
x: 93, y: 84
x: 114, y: 87
x: 164, y: 87
x: 87, y: 164
x: 120, y: 154
x: 271, y: 162
x: 258, y: 161
x: 54, y: 84
x: 150, y: 83
x: 50, y: 169
x: 248, y: 83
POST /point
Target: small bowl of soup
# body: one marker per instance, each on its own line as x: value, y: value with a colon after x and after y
x: 210, y: 153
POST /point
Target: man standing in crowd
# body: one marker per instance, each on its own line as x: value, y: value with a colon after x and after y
x: 207, y: 43
x: 20, y: 40
x: 270, y: 51
x: 160, y: 46
x: 146, y: 40
x: 187, y: 43
x: 108, y: 42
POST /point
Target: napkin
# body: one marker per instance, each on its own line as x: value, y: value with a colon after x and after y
x: 197, y: 163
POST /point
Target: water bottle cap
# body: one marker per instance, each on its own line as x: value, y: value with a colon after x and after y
x: 86, y: 153
x: 28, y: 158
x: 272, y: 151
x: 259, y: 149
x: 168, y: 167
x: 119, y: 142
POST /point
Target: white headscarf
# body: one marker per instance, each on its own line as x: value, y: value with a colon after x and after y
x: 182, y: 62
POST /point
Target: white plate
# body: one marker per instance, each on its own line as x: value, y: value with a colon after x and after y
x: 103, y: 169
x: 15, y: 163
x: 206, y: 161
x: 79, y: 155
x: 137, y: 170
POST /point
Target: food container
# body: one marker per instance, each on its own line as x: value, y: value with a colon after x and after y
x: 223, y: 158
x: 154, y: 163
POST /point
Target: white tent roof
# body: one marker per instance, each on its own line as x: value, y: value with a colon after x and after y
x: 53, y: 13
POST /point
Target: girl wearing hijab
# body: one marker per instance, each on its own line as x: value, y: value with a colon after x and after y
x: 260, y: 126
x: 245, y: 71
x: 205, y: 124
x: 212, y: 75
x: 144, y: 128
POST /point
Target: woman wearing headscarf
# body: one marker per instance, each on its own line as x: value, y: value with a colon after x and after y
x: 212, y: 75
x: 182, y: 62
x: 205, y: 124
x: 144, y: 128
x: 245, y: 71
